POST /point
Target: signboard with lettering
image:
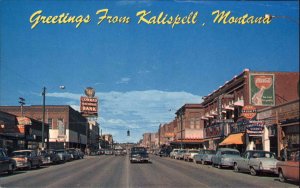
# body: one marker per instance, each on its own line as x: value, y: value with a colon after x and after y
x: 255, y: 128
x: 249, y: 112
x: 261, y: 88
x: 89, y: 106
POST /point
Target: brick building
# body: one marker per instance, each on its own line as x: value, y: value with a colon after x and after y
x: 20, y: 132
x: 67, y: 127
x: 188, y: 130
x: 223, y: 108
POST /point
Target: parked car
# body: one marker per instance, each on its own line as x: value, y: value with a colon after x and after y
x: 49, y: 157
x: 138, y: 154
x: 80, y: 153
x: 189, y: 154
x: 26, y: 159
x: 204, y: 156
x: 289, y: 170
x: 100, y: 152
x: 256, y: 162
x: 74, y: 153
x: 225, y: 157
x: 108, y: 152
x: 63, y: 155
x: 165, y: 151
x: 180, y: 153
x: 173, y: 153
x: 6, y: 163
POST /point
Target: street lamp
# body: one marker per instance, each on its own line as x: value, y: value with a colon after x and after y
x: 43, y: 114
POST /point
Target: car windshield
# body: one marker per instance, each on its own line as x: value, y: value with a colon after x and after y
x: 60, y: 151
x: 264, y: 155
x: 230, y: 153
x: 193, y: 151
x: 209, y: 152
x: 138, y: 150
x: 20, y: 153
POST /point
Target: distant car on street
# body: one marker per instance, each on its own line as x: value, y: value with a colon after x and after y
x: 74, y: 153
x: 108, y: 152
x: 26, y: 159
x: 173, y: 153
x: 138, y: 154
x: 289, y: 170
x: 189, y: 155
x: 63, y: 155
x: 225, y: 157
x: 256, y: 162
x: 180, y: 153
x: 6, y: 163
x: 119, y: 152
x: 49, y: 157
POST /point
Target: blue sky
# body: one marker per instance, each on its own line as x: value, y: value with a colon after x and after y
x: 142, y: 73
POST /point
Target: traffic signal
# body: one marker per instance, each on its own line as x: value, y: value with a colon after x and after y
x: 128, y: 133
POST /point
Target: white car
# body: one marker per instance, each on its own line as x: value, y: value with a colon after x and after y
x: 173, y: 153
x: 255, y: 162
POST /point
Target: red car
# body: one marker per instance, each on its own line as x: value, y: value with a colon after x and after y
x: 289, y: 169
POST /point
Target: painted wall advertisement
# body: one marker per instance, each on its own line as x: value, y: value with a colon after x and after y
x: 261, y: 89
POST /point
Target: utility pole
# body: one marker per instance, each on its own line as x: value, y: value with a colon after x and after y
x: 22, y: 102
x: 43, y: 121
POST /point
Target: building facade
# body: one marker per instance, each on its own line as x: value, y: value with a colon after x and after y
x: 223, y: 108
x: 20, y: 132
x: 67, y: 127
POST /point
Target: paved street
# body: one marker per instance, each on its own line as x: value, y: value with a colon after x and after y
x: 116, y: 171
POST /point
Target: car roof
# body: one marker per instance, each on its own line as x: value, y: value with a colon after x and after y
x: 227, y: 149
x: 23, y: 150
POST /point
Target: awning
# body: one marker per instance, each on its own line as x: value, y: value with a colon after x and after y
x: 233, y: 139
x: 239, y: 103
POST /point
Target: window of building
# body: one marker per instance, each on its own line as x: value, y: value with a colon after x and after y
x: 50, y: 122
x: 60, y: 126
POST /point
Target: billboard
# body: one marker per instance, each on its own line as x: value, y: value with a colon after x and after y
x: 261, y: 88
x: 89, y: 104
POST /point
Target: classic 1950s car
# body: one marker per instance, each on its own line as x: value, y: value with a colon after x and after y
x: 6, y: 164
x: 225, y: 157
x: 289, y: 169
x: 255, y: 162
x: 138, y: 154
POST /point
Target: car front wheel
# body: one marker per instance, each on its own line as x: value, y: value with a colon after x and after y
x: 235, y: 167
x: 253, y: 171
x: 281, y: 176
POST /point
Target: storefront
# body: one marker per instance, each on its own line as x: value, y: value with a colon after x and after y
x: 281, y: 126
x: 21, y: 132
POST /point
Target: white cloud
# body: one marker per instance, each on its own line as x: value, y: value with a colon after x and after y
x: 124, y: 80
x: 138, y: 111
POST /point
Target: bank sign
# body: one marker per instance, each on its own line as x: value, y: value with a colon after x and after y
x: 89, y: 106
x: 261, y: 89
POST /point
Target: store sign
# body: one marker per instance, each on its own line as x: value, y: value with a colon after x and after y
x: 261, y: 89
x: 249, y: 112
x: 255, y: 128
x: 89, y: 106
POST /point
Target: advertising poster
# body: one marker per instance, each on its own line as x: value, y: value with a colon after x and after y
x: 262, y: 89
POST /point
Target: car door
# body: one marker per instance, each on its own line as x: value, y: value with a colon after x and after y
x: 34, y: 158
x: 3, y: 161
x: 244, y: 161
x: 292, y: 167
